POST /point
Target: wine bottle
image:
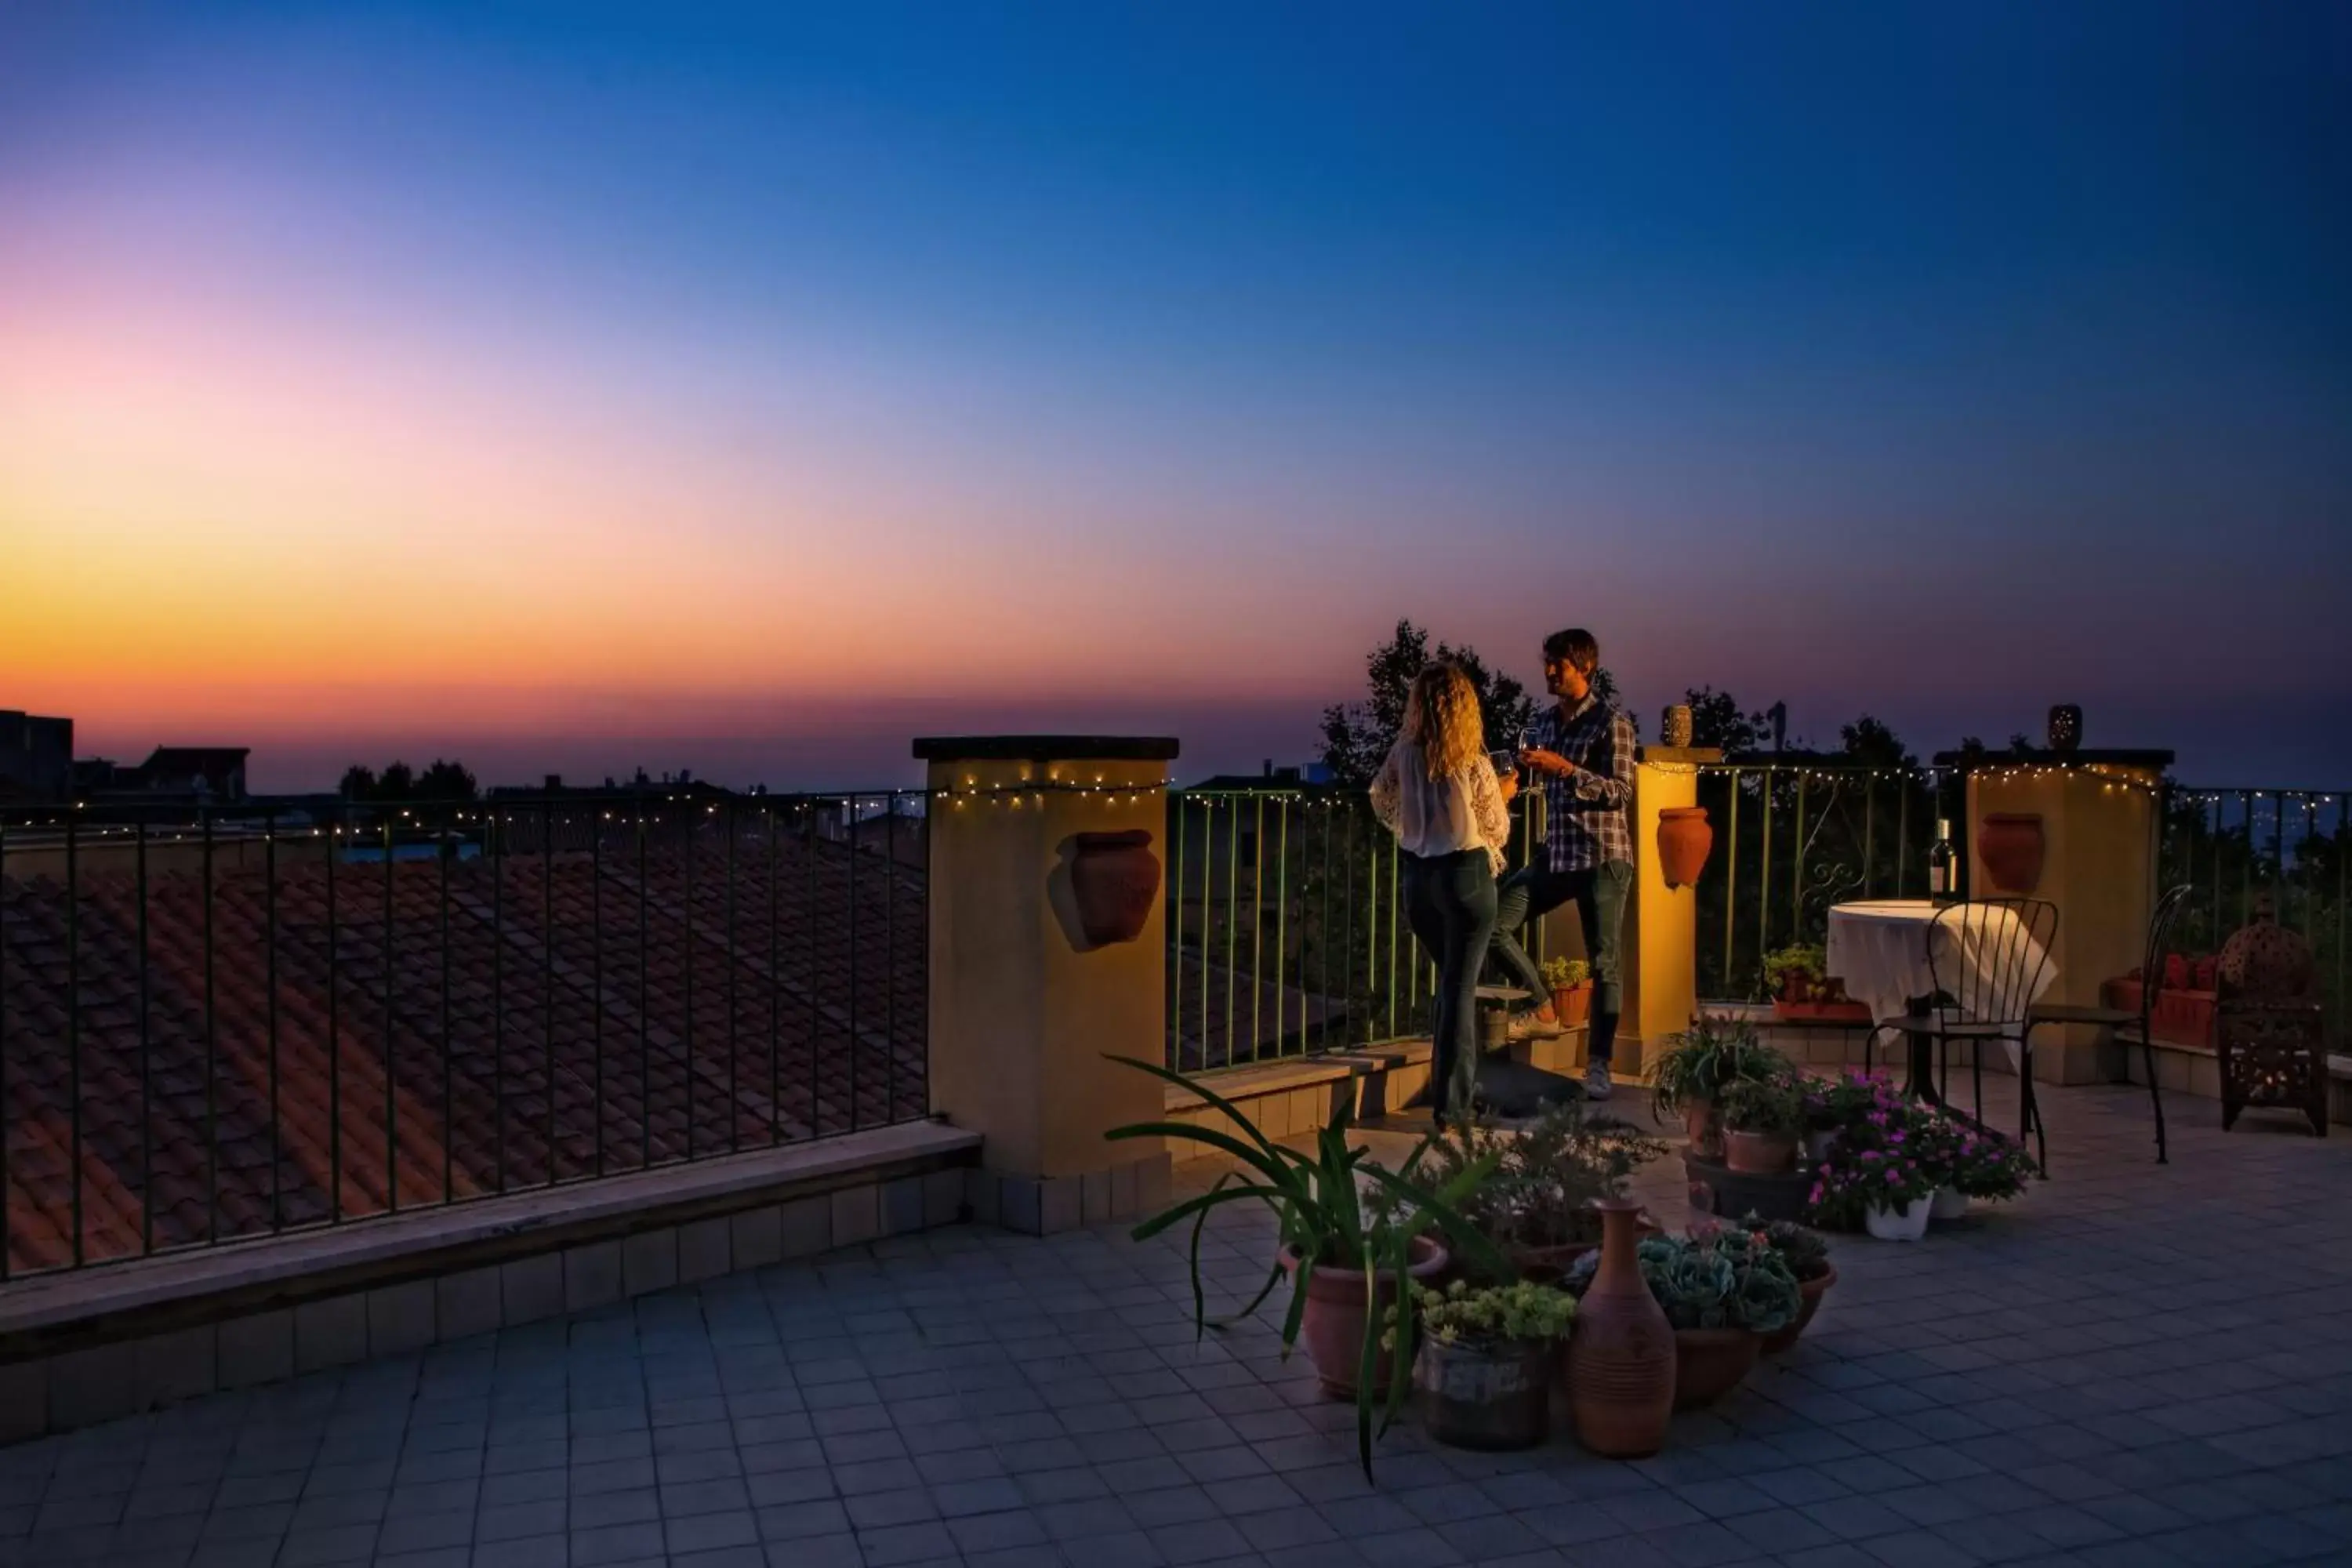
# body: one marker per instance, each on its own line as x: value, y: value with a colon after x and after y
x: 1943, y: 865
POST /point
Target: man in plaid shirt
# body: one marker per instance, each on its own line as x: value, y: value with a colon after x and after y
x: 1582, y: 754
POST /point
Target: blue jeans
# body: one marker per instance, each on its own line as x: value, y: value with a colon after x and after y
x: 1600, y: 896
x: 1449, y: 902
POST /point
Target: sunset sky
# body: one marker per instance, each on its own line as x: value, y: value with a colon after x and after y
x: 575, y: 387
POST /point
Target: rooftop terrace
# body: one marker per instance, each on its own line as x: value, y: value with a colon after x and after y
x: 2133, y: 1365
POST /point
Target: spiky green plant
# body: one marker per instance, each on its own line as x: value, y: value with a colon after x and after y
x: 1324, y: 1207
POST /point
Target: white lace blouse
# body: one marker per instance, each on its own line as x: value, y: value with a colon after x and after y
x: 1464, y: 810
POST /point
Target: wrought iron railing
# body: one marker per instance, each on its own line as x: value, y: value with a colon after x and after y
x: 221, y: 1023
x: 1286, y: 930
x: 2235, y: 847
x: 1791, y: 839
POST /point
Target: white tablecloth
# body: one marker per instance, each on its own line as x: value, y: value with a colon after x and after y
x: 1878, y: 947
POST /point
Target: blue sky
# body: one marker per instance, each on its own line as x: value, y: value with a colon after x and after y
x: 1137, y: 366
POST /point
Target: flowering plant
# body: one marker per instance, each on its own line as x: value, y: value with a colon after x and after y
x: 1835, y: 1104
x: 1985, y: 1165
x: 1891, y: 1155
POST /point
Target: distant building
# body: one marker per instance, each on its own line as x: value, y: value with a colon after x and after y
x: 178, y: 775
x: 36, y: 757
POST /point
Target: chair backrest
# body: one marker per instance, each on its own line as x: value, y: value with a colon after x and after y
x: 1988, y: 957
x: 2160, y: 943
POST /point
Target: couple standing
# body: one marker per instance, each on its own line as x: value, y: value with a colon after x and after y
x: 1442, y: 795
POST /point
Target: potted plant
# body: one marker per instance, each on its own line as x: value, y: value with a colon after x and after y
x: 1808, y: 1258
x: 1536, y: 1204
x: 1570, y: 980
x: 1802, y: 992
x: 1722, y: 1293
x: 1691, y: 1073
x: 1884, y: 1177
x: 1984, y: 1165
x: 1344, y: 1254
x: 1483, y: 1376
x: 1831, y: 1106
x: 1762, y: 1119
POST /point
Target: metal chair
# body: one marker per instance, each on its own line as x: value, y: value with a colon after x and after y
x: 2151, y: 986
x: 1986, y: 958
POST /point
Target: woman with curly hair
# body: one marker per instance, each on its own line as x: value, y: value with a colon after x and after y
x: 1439, y: 794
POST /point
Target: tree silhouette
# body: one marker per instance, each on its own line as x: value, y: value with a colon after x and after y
x: 359, y: 783
x: 1356, y: 735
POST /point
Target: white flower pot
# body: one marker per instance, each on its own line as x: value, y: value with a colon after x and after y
x: 1950, y: 1203
x: 1908, y: 1223
x: 1818, y: 1146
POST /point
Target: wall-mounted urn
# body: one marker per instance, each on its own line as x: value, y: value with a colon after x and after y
x: 1677, y: 730
x: 1683, y: 841
x: 1114, y: 878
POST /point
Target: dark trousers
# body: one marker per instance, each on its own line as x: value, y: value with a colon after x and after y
x: 1600, y: 895
x: 1449, y: 901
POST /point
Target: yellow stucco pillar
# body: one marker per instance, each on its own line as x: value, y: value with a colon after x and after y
x: 1030, y: 990
x: 1661, y: 966
x: 2098, y: 818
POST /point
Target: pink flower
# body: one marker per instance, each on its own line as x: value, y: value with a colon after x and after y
x: 1893, y: 1177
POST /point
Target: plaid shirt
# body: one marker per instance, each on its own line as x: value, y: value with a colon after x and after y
x: 1585, y: 815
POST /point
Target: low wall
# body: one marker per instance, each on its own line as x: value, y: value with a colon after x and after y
x: 96, y: 1343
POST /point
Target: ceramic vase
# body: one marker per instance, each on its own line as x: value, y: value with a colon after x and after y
x: 1621, y: 1353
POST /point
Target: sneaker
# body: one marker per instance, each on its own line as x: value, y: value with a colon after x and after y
x: 1534, y: 1026
x: 1596, y: 1081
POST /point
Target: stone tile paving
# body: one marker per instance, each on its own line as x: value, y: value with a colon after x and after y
x: 2133, y: 1367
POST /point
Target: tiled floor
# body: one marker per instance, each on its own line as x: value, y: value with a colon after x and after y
x: 2136, y: 1366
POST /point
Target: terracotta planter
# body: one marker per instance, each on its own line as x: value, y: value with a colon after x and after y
x: 1621, y: 1354
x: 1683, y: 841
x: 1484, y: 1397
x: 1825, y: 1002
x: 1333, y: 1328
x: 1759, y: 1153
x: 1115, y: 878
x: 2009, y: 844
x: 1812, y: 1291
x: 1710, y: 1364
x: 1573, y: 1004
x: 1704, y: 1129
x: 2183, y: 1017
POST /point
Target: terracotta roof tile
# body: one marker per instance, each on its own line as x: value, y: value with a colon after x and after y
x: 666, y: 1021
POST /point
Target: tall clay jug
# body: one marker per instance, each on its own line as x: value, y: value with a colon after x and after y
x: 1621, y: 1354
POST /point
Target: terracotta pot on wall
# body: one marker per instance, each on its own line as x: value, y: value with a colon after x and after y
x: 2009, y: 844
x: 1621, y: 1353
x: 1115, y: 877
x: 1683, y: 841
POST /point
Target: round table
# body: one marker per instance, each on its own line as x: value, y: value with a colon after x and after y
x: 1879, y: 948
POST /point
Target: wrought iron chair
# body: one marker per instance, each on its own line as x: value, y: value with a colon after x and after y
x: 1986, y: 957
x: 2151, y: 986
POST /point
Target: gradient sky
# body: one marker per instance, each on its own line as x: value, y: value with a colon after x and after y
x: 582, y: 387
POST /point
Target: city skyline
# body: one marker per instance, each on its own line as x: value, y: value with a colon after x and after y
x: 437, y: 380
